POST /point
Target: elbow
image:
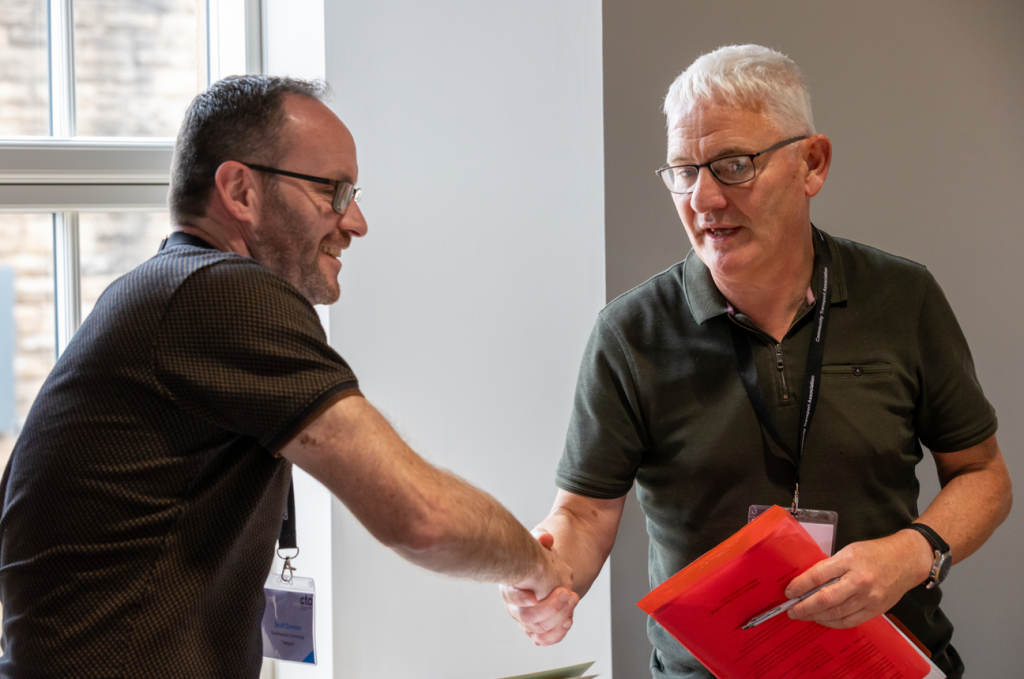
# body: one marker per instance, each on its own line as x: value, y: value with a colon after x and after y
x: 417, y: 531
x: 419, y: 539
x: 1005, y: 492
x: 1007, y: 499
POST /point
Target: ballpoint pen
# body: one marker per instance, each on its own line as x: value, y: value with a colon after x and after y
x: 783, y: 607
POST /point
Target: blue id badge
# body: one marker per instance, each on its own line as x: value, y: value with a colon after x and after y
x: 288, y: 620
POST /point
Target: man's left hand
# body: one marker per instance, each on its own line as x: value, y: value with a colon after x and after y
x: 873, y: 575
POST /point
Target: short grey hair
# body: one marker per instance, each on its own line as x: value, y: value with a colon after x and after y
x: 237, y: 118
x: 750, y: 77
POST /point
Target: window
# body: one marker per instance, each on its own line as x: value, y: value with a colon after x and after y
x: 93, y: 92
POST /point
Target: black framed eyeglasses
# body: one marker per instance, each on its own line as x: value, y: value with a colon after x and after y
x: 344, y: 192
x: 730, y: 170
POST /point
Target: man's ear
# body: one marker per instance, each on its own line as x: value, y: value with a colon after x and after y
x: 238, y: 190
x: 818, y: 160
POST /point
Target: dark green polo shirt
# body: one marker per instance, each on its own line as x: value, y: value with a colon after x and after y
x: 659, y: 401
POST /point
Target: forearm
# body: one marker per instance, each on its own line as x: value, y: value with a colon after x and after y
x: 584, y: 535
x: 585, y: 561
x: 463, y: 531
x: 971, y: 505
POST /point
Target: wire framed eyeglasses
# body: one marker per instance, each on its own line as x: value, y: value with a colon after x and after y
x: 344, y: 192
x: 730, y: 170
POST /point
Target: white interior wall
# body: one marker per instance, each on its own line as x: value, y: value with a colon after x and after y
x: 465, y: 310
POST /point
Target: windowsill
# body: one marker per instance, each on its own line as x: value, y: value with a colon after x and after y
x: 85, y: 160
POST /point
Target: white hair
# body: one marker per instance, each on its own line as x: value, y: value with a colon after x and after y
x: 750, y: 77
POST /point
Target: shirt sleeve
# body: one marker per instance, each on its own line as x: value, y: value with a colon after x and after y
x: 240, y: 348
x: 953, y: 413
x: 607, y: 437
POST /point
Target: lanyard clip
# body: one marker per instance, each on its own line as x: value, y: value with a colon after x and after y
x: 795, y: 507
x: 288, y: 570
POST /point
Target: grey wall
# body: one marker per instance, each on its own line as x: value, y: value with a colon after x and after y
x: 924, y: 103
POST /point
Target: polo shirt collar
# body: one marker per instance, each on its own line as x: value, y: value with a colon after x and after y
x: 182, y: 238
x: 706, y: 300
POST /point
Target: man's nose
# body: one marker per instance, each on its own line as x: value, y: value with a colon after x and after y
x: 707, y: 193
x: 353, y: 222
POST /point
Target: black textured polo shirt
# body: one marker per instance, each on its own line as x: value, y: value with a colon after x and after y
x: 143, y: 498
x: 659, y: 400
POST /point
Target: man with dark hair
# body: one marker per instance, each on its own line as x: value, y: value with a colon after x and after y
x: 237, y: 117
x: 701, y: 385
x: 144, y: 497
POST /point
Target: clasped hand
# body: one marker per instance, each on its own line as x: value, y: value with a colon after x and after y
x: 548, y: 617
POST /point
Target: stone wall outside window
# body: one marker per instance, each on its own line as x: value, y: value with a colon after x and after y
x: 138, y: 63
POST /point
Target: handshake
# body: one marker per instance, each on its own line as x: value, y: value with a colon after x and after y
x: 574, y: 540
x: 543, y: 604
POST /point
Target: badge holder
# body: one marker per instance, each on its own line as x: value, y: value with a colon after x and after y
x: 820, y: 523
x: 289, y: 619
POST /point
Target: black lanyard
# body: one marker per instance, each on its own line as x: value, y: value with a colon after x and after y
x: 815, y: 359
x: 286, y: 539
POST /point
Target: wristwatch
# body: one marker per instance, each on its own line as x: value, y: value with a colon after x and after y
x: 943, y: 557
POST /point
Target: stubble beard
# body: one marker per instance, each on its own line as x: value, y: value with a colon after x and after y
x: 276, y: 249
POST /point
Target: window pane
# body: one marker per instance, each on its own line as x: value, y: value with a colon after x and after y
x: 27, y: 351
x: 24, y: 68
x: 114, y: 244
x: 136, y: 65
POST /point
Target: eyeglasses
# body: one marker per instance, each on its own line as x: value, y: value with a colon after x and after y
x: 730, y: 170
x: 344, y: 192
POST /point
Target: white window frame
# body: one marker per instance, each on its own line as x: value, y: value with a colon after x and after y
x: 63, y: 174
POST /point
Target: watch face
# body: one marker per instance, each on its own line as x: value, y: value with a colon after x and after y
x: 945, y: 563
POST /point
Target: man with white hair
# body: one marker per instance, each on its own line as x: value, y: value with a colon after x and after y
x: 774, y: 365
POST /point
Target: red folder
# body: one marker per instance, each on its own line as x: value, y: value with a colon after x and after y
x: 705, y: 605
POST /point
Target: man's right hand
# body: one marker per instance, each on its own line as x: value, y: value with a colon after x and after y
x: 543, y: 606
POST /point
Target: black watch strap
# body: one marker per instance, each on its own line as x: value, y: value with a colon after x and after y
x: 943, y: 558
x: 938, y: 543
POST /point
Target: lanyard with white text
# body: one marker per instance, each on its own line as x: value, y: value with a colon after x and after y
x: 815, y: 359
